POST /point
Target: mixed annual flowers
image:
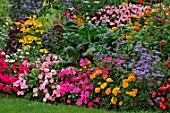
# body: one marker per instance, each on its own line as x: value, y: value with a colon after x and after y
x: 118, y: 58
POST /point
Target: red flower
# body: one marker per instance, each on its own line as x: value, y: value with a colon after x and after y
x: 1, y: 86
x: 5, y: 89
x: 141, y: 1
x: 163, y: 100
x: 167, y: 63
x: 9, y: 88
x: 153, y: 94
x: 15, y: 89
x: 163, y: 43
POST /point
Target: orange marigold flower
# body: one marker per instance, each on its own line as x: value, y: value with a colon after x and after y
x: 97, y: 90
x: 116, y: 91
x: 120, y: 103
x: 131, y: 78
x: 104, y: 76
x: 125, y: 85
x: 137, y: 28
x: 128, y: 37
x: 114, y: 28
x: 108, y: 91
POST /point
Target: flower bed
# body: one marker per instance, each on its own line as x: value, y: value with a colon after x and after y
x: 115, y: 57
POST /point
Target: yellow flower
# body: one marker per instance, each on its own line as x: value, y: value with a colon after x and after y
x: 99, y: 83
x: 135, y: 90
x: 113, y: 100
x: 116, y: 91
x: 43, y: 50
x: 131, y: 74
x: 40, y: 31
x: 108, y: 91
x: 28, y: 39
x: 97, y: 90
x: 109, y: 80
x: 37, y: 24
x: 16, y: 23
x: 39, y: 42
x: 104, y: 76
x: 28, y: 22
x: 125, y: 84
x: 114, y: 28
x: 131, y: 78
x: 26, y: 47
x: 25, y: 30
x: 102, y: 86
x: 120, y: 103
x: 132, y: 93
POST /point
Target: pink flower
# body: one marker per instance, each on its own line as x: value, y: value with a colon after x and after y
x: 35, y: 90
x: 20, y: 93
x: 40, y: 76
x: 90, y: 104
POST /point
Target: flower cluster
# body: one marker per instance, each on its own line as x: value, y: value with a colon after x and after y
x: 31, y: 31
x: 162, y: 97
x: 114, y: 16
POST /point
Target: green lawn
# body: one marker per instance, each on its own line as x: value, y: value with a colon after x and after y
x: 18, y: 105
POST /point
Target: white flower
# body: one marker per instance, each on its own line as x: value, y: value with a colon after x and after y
x: 11, y: 60
x: 97, y: 2
x: 21, y: 57
x: 6, y: 60
x: 3, y: 53
x: 19, y: 50
x: 7, y: 56
x: 27, y: 53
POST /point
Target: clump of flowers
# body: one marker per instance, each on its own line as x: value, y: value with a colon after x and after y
x: 114, y: 16
x: 162, y: 97
x: 31, y: 29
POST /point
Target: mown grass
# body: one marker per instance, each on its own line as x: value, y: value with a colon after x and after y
x: 18, y: 105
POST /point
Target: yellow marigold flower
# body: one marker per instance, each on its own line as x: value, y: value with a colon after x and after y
x: 132, y: 93
x: 113, y: 100
x: 102, y: 86
x: 99, y: 83
x: 43, y: 50
x: 104, y: 76
x: 116, y: 91
x: 125, y: 85
x: 26, y: 47
x: 97, y: 90
x: 21, y: 40
x: 98, y: 72
x: 108, y: 91
x: 120, y: 103
x: 131, y: 78
x: 114, y: 28
x: 109, y: 80
x: 39, y: 42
